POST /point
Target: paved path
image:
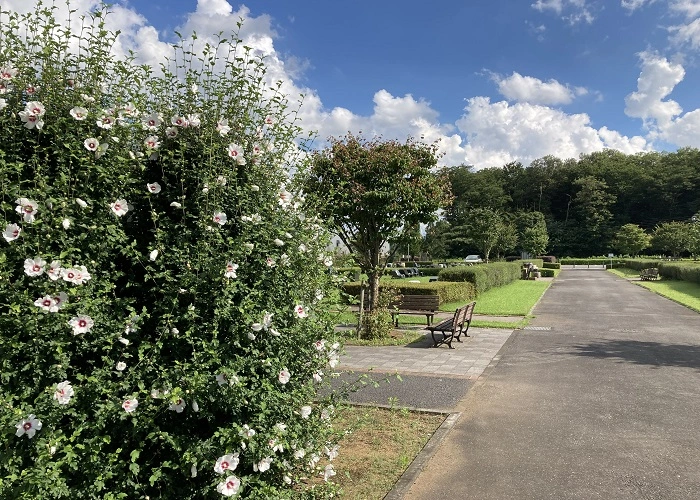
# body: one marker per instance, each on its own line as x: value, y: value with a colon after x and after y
x: 603, y: 401
x: 428, y: 378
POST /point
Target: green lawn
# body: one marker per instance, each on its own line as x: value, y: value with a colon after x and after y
x: 515, y: 299
x: 683, y: 292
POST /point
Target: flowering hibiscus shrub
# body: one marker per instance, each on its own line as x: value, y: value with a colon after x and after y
x: 162, y: 331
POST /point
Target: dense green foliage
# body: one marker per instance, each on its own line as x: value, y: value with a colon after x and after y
x: 484, y: 276
x: 161, y: 293
x: 446, y: 291
x: 375, y: 193
x: 585, y: 201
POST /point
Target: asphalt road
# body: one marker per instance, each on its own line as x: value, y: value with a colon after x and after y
x: 602, y: 401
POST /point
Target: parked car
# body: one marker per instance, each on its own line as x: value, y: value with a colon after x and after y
x: 473, y: 259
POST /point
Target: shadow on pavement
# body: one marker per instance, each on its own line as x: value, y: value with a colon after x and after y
x: 643, y: 353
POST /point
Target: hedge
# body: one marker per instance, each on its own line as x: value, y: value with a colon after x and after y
x: 551, y: 265
x: 595, y: 261
x: 446, y: 291
x: 484, y: 276
x: 547, y: 273
x: 684, y: 271
x: 639, y: 264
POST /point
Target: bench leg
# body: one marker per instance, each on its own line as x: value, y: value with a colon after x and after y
x: 446, y: 339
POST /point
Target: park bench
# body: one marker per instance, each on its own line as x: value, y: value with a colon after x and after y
x: 453, y: 328
x: 651, y: 273
x: 415, y: 304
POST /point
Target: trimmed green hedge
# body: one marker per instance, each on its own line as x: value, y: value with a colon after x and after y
x: 547, y: 273
x: 484, y: 276
x: 551, y: 265
x: 446, y: 291
x: 596, y: 261
x: 685, y: 271
x: 639, y: 264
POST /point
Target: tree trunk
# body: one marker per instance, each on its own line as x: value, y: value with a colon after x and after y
x: 373, y: 279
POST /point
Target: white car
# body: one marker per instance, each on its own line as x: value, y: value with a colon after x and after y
x: 473, y: 259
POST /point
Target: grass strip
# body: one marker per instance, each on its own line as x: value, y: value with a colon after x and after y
x: 683, y: 292
x: 515, y: 299
x: 378, y: 446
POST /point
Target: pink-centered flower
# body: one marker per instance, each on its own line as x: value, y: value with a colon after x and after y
x: 11, y: 232
x: 230, y: 270
x: 284, y: 197
x: 152, y: 121
x: 32, y: 115
x: 105, y: 122
x: 120, y: 207
x: 130, y: 405
x: 226, y: 463
x: 27, y: 208
x: 151, y: 142
x: 46, y: 303
x: 177, y: 406
x: 58, y: 301
x: 81, y: 324
x: 7, y: 73
x: 220, y: 218
x: 91, y: 144
x: 34, y: 267
x: 171, y: 132
x: 300, y: 311
x: 79, y: 113
x: 63, y: 393
x: 28, y: 426
x: 236, y: 152
x: 179, y: 121
x: 229, y: 487
x: 283, y: 376
x: 153, y: 187
x: 55, y: 270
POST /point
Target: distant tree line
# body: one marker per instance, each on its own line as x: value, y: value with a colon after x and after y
x: 603, y: 202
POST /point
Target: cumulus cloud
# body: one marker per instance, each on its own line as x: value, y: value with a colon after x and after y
x: 663, y: 117
x: 498, y: 133
x: 633, y: 5
x: 488, y: 134
x: 656, y: 81
x: 528, y: 89
x: 571, y: 11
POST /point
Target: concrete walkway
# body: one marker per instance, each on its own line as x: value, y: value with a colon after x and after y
x: 600, y: 398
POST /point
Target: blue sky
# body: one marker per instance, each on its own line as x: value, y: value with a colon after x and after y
x: 493, y: 80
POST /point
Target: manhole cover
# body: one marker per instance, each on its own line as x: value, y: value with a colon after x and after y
x: 537, y: 328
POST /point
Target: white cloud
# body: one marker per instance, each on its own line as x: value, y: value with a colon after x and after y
x: 656, y: 81
x: 528, y: 89
x: 663, y: 118
x: 689, y: 8
x: 571, y: 11
x: 498, y: 133
x: 633, y: 5
x: 542, y: 5
x: 686, y: 34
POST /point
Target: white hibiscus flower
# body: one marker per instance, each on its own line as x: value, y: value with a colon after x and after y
x: 63, y: 393
x: 11, y: 232
x: 28, y: 426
